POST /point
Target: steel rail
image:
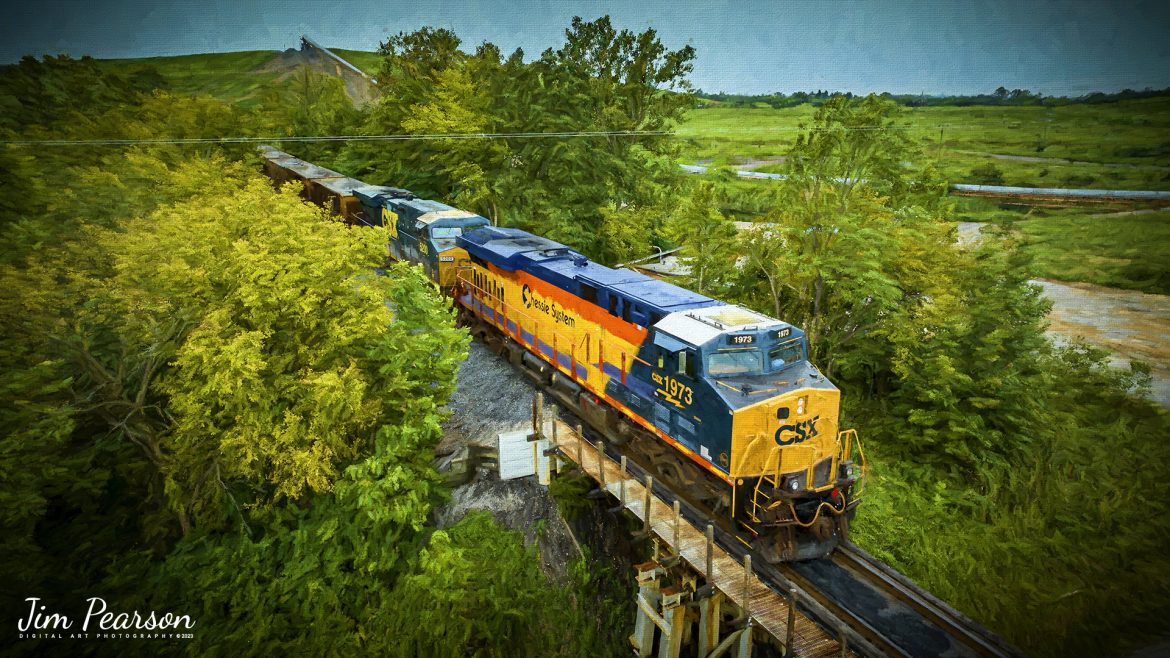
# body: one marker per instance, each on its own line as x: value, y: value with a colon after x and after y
x: 862, y: 639
x: 957, y: 625
x: 861, y: 624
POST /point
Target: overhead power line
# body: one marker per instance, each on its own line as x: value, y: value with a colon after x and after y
x: 331, y: 138
x: 404, y: 138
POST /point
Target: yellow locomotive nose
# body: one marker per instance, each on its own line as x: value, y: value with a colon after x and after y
x: 792, y: 433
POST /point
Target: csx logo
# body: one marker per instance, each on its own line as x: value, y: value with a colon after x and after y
x: 800, y: 432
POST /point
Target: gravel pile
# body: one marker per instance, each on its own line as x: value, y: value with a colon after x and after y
x: 493, y: 397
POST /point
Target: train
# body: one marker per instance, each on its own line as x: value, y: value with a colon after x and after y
x: 717, y: 401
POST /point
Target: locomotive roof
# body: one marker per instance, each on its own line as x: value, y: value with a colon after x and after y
x: 423, y: 206
x: 379, y: 194
x: 453, y: 213
x: 343, y: 185
x: 700, y: 325
x: 512, y: 249
x: 307, y: 170
x: 271, y: 153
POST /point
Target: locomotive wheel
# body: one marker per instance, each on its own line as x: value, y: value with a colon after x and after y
x: 672, y: 475
x: 620, y: 431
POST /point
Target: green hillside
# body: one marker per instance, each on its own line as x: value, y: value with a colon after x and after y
x: 230, y: 77
x: 237, y: 77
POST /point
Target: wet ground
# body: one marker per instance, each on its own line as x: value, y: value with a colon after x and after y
x: 969, y: 233
x: 1130, y: 324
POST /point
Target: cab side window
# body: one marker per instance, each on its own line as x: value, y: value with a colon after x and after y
x: 686, y: 363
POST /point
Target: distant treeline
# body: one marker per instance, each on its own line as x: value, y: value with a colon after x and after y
x: 1000, y: 96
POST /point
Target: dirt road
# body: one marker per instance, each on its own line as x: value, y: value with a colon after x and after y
x: 1131, y: 324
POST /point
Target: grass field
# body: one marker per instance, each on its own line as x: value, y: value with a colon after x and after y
x: 1123, y: 145
x: 231, y: 77
x: 1130, y: 252
x: 228, y: 76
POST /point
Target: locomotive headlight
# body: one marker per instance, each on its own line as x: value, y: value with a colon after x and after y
x: 845, y: 470
x: 793, y: 482
x: 800, y: 405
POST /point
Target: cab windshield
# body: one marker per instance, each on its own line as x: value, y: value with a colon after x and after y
x: 739, y: 362
x: 785, y: 354
x: 446, y: 232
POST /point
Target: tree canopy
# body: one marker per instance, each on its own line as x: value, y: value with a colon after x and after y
x: 567, y: 115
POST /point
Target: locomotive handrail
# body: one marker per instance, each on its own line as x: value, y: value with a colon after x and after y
x: 483, y: 291
x: 773, y: 476
x: 851, y: 439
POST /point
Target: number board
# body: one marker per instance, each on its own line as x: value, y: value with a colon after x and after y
x: 784, y: 333
x: 742, y: 339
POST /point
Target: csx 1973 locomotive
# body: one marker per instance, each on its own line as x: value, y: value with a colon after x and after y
x: 717, y: 401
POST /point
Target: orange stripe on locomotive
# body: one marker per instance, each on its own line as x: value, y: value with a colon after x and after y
x: 594, y: 338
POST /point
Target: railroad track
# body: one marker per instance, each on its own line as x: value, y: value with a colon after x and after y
x: 879, y: 611
x: 851, y: 594
x: 889, y: 610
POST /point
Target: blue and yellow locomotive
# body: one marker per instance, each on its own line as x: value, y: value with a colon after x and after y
x: 718, y: 401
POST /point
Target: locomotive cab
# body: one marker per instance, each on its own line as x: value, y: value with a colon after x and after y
x: 737, y: 389
x: 440, y: 238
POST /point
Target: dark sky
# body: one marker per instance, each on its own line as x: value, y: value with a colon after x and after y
x: 747, y: 46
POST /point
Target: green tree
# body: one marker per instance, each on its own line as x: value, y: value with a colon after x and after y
x: 605, y: 80
x: 411, y: 65
x: 626, y: 233
x: 457, y: 107
x: 309, y: 104
x: 218, y: 384
x: 601, y: 80
x: 476, y: 590
x: 854, y: 235
x: 708, y: 241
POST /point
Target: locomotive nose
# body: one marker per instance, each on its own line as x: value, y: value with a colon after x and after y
x: 784, y: 434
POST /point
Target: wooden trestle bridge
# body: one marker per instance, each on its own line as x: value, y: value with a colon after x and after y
x: 702, y: 587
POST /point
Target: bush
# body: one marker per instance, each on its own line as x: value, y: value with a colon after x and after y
x: 987, y: 174
x: 1079, y: 180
